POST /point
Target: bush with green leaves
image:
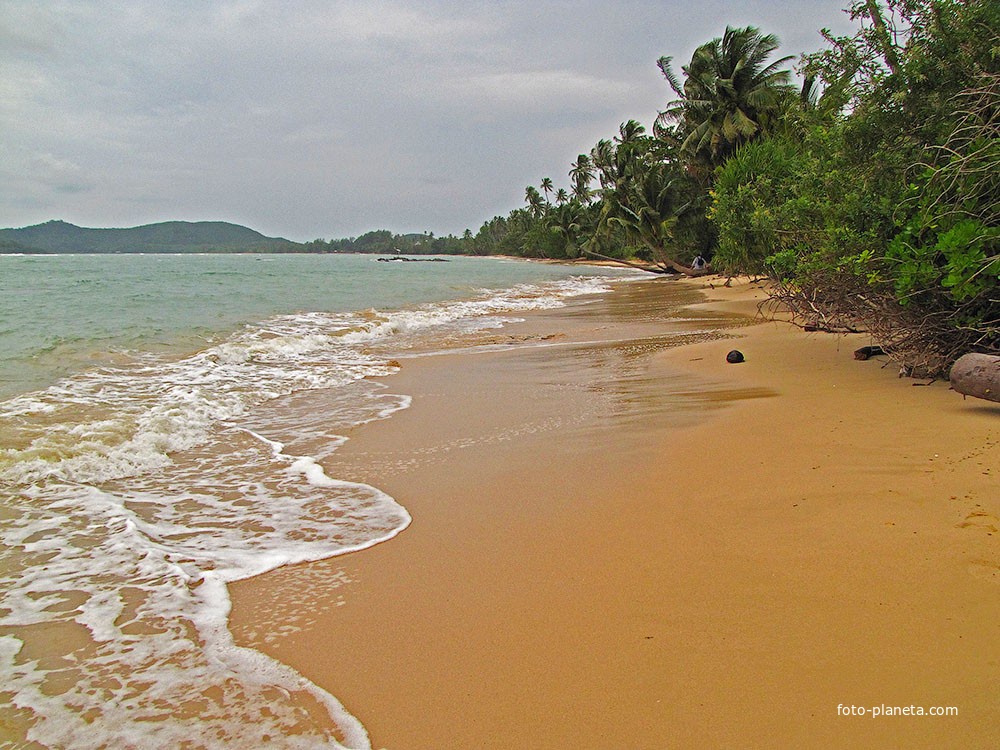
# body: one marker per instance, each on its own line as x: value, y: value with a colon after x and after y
x: 749, y: 205
x: 885, y: 216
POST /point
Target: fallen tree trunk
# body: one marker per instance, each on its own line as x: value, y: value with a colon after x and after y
x: 866, y: 352
x: 977, y: 375
x: 631, y: 264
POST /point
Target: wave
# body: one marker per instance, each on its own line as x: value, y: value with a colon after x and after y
x: 136, y: 493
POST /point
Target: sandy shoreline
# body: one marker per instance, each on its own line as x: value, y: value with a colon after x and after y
x: 620, y: 544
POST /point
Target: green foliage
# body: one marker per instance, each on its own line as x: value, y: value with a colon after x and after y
x: 753, y: 197
x: 962, y: 261
x: 643, y: 194
x: 886, y: 213
x: 729, y: 97
x: 384, y: 242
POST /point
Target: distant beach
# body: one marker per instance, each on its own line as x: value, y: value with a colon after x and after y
x: 621, y: 542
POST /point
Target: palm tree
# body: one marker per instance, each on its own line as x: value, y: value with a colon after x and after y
x: 729, y: 96
x: 567, y: 223
x: 647, y: 209
x: 602, y: 157
x: 561, y: 196
x: 641, y: 195
x: 582, y: 174
x: 546, y: 186
x: 534, y: 200
x: 629, y: 131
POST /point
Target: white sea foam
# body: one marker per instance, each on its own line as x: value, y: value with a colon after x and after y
x: 133, y: 495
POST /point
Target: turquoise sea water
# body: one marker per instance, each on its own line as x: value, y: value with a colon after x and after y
x: 63, y: 313
x: 159, y: 439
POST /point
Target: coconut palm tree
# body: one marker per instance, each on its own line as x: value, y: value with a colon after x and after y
x: 567, y: 223
x: 546, y: 186
x: 582, y: 174
x: 730, y: 95
x: 602, y: 156
x: 641, y: 195
x: 629, y: 132
x: 535, y: 202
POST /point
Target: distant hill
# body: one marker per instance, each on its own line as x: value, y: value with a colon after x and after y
x: 165, y: 237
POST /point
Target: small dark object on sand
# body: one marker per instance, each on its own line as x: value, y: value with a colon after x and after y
x: 735, y: 357
x: 866, y: 352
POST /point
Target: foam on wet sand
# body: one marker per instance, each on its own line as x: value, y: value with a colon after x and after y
x: 617, y: 542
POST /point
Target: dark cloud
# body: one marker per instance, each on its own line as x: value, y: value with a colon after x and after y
x: 312, y: 118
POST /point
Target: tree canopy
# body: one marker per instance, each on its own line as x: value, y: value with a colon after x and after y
x: 731, y: 95
x: 879, y: 211
x: 868, y: 192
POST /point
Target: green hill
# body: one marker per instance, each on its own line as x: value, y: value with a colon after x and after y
x: 165, y: 237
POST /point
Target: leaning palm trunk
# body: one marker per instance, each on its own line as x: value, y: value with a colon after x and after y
x: 661, y: 263
x: 663, y: 260
x: 624, y: 262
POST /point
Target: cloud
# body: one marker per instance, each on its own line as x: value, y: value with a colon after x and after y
x: 528, y: 92
x: 373, y: 22
x: 54, y: 165
x: 326, y: 118
x: 26, y: 31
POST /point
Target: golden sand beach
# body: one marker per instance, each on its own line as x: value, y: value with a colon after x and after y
x: 622, y: 543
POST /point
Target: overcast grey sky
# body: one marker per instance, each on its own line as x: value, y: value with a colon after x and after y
x: 306, y: 119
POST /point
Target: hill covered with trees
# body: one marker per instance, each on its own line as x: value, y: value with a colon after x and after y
x: 165, y: 237
x: 211, y: 237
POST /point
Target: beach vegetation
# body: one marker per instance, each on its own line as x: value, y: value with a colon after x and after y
x: 384, y: 242
x: 643, y: 198
x: 868, y: 192
x: 731, y: 95
x: 881, y: 213
x: 643, y: 193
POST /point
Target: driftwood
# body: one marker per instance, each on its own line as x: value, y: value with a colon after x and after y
x: 867, y: 352
x: 977, y: 375
x: 813, y: 328
x: 621, y: 261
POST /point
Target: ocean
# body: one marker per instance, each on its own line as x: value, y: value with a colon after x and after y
x: 159, y: 439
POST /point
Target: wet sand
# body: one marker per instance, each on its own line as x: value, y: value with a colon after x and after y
x: 623, y: 544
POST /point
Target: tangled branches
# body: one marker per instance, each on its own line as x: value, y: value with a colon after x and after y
x: 925, y: 340
x: 965, y: 172
x: 934, y: 293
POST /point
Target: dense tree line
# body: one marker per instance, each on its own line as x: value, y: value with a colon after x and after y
x: 645, y: 196
x: 384, y: 242
x: 875, y: 205
x: 869, y: 193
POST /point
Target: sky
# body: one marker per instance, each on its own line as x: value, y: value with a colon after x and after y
x: 313, y: 119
